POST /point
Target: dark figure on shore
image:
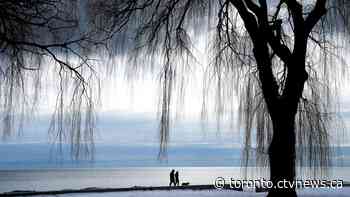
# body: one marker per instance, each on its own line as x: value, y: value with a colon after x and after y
x: 177, y: 182
x: 172, y: 178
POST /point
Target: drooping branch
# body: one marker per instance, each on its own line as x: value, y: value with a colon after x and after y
x: 39, y: 36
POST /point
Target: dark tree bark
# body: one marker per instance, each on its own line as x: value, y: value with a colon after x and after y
x: 282, y: 154
x: 282, y: 109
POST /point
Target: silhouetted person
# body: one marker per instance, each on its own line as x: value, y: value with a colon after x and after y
x: 177, y: 182
x: 172, y: 178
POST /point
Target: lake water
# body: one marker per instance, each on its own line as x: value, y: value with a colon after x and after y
x: 57, y: 179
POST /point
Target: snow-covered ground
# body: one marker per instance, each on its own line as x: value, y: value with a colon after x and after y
x: 344, y: 192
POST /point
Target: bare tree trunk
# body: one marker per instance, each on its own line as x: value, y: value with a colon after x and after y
x: 282, y: 154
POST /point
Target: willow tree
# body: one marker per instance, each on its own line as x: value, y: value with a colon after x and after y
x: 41, y: 38
x: 279, y: 56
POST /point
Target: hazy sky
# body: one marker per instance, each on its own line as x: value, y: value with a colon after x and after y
x: 128, y: 109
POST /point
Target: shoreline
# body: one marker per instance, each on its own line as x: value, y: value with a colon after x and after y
x: 125, y: 189
x: 105, y: 190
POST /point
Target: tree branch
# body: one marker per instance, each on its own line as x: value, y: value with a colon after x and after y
x: 261, y: 51
x: 315, y: 15
x: 248, y: 18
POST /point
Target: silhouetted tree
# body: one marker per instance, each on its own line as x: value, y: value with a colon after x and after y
x: 37, y: 36
x: 279, y: 56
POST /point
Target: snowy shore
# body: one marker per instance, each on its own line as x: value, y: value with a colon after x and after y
x: 344, y: 192
x: 191, y: 191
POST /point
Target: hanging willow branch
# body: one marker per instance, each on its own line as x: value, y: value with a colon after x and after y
x: 38, y: 37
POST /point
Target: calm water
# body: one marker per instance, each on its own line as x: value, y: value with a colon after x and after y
x: 57, y: 179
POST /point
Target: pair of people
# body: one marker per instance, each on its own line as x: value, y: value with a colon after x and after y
x: 174, y: 178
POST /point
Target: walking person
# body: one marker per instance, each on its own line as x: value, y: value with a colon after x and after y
x: 177, y: 182
x: 172, y: 178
